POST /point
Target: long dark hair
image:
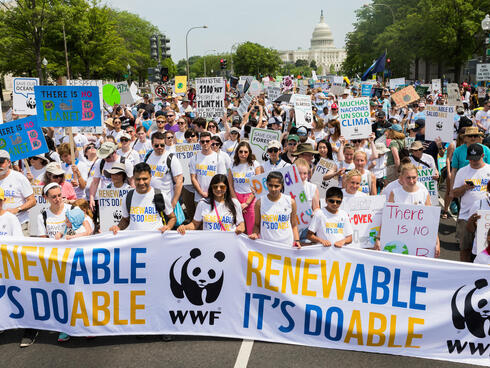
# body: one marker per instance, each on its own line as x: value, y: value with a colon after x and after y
x: 250, y: 158
x: 329, y: 152
x: 218, y: 179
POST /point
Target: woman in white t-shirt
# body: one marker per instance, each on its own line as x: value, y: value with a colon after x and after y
x: 276, y: 214
x: 142, y: 145
x: 230, y: 145
x: 368, y: 180
x: 127, y: 151
x: 244, y: 167
x: 219, y: 211
x: 51, y: 221
x: 9, y: 223
x: 37, y: 166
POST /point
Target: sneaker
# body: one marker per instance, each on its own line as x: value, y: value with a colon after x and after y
x: 167, y: 338
x: 29, y: 337
x: 62, y: 337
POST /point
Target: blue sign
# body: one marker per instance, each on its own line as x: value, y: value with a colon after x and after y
x: 68, y: 106
x: 366, y: 89
x: 22, y: 138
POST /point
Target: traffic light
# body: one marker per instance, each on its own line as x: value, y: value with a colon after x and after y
x: 154, y: 47
x: 164, y: 74
x: 225, y: 64
x: 163, y: 46
x: 222, y: 63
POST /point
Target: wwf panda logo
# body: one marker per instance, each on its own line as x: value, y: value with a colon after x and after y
x: 199, y: 278
x: 439, y: 125
x: 117, y: 216
x: 31, y: 103
x: 470, y: 307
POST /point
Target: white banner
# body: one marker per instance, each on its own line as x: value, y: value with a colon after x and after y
x: 243, y: 108
x: 210, y: 97
x: 395, y: 82
x: 409, y: 229
x: 148, y: 283
x: 273, y: 93
x: 365, y: 218
x: 453, y: 95
x: 439, y: 122
x: 124, y: 92
x: 482, y: 227
x: 323, y: 167
x: 255, y: 88
x: 482, y: 72
x: 41, y: 204
x: 436, y: 86
x: 110, y: 207
x: 24, y: 102
x: 355, y: 122
x: 302, y: 110
x: 184, y: 153
x: 259, y: 139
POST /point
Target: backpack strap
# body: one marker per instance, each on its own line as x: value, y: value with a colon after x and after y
x: 101, y: 166
x: 159, y: 202
x: 169, y: 165
x: 147, y: 156
x: 129, y: 198
x: 45, y: 219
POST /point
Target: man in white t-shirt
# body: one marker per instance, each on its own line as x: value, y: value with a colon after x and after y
x: 482, y: 117
x: 470, y: 184
x: 147, y: 209
x: 19, y: 196
x: 203, y: 166
x: 163, y: 177
x: 9, y: 224
x: 274, y: 162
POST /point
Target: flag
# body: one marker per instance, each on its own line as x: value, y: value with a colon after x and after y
x: 180, y: 84
x: 377, y: 67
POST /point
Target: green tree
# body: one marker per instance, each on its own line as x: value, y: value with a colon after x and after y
x: 254, y: 59
x: 301, y: 62
x: 313, y: 65
x: 172, y: 68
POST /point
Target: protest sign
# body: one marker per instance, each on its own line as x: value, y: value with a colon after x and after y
x: 24, y: 102
x: 184, y: 152
x: 243, y: 108
x: 421, y: 90
x: 365, y: 218
x: 436, y: 86
x: 453, y: 95
x: 259, y: 139
x: 161, y: 91
x: 133, y: 89
x: 110, y: 207
x: 210, y: 97
x: 41, y: 204
x: 337, y: 90
x: 287, y: 83
x: 405, y: 96
x: 255, y: 88
x: 354, y: 116
x: 99, y: 85
x: 395, y: 82
x: 273, y: 93
x: 180, y: 84
x: 348, y: 299
x: 439, y: 122
x: 482, y: 92
x: 293, y: 186
x: 117, y: 93
x: 366, y: 89
x: 410, y: 229
x: 1, y: 113
x: 22, y: 138
x: 302, y: 110
x: 266, y: 81
x: 482, y: 226
x: 425, y: 177
x: 66, y: 106
x: 482, y: 72
x: 323, y: 167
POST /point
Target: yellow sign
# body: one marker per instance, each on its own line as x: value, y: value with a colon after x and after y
x: 180, y: 84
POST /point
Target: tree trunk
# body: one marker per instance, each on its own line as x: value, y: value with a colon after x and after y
x: 427, y: 71
x: 416, y: 76
x: 457, y: 73
x: 39, y: 68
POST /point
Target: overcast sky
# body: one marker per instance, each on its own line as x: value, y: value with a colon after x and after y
x: 283, y: 25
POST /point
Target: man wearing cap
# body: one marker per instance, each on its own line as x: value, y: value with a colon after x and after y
x: 421, y: 113
x: 107, y: 156
x: 274, y: 162
x: 422, y: 160
x: 482, y: 117
x: 287, y: 155
x: 19, y: 196
x: 470, y: 184
x: 380, y: 124
x: 471, y: 136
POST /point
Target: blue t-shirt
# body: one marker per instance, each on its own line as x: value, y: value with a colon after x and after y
x: 459, y: 156
x: 147, y: 124
x: 419, y: 115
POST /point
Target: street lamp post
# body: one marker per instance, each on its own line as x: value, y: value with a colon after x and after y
x: 485, y: 25
x: 45, y: 64
x: 205, y: 54
x: 187, y: 48
x: 233, y: 48
x: 129, y: 73
x: 379, y: 4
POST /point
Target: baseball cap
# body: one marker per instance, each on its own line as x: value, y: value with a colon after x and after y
x: 396, y: 127
x: 274, y: 144
x: 415, y: 146
x: 106, y: 150
x: 2, y: 194
x: 334, y: 106
x: 293, y: 137
x: 235, y: 130
x: 475, y: 152
x: 380, y: 114
x: 54, y: 168
x: 4, y: 154
x: 302, y: 131
x: 125, y: 135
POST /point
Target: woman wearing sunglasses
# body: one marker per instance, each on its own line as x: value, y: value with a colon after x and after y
x: 180, y: 135
x: 218, y: 212
x: 244, y: 167
x: 55, y: 174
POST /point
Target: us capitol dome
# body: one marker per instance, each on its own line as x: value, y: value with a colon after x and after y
x: 322, y: 50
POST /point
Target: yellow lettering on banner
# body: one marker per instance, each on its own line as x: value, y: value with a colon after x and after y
x: 8, y: 260
x: 26, y: 263
x: 308, y: 276
x: 373, y: 331
x: 118, y: 321
x: 334, y: 274
x: 53, y: 259
x: 293, y: 279
x: 270, y: 272
x: 411, y: 335
x: 79, y: 302
x: 391, y: 340
x: 254, y: 270
x: 96, y: 308
x: 134, y: 307
x: 355, y: 323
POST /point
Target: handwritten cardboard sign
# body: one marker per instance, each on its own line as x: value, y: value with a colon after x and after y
x: 405, y: 96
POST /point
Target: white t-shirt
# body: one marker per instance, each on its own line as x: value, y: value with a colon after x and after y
x: 142, y: 213
x: 205, y: 167
x: 54, y: 223
x: 10, y: 225
x: 224, y: 157
x: 142, y: 148
x: 483, y: 117
x: 269, y: 166
x: 37, y: 175
x: 480, y: 178
x: 395, y: 184
x: 179, y: 137
x: 330, y: 226
x: 105, y: 179
x: 241, y: 176
x: 83, y: 167
x: 419, y: 197
x: 17, y: 188
x: 209, y: 219
x: 131, y: 156
x: 229, y: 147
x: 160, y: 173
x: 427, y: 159
x: 275, y: 220
x: 116, y: 135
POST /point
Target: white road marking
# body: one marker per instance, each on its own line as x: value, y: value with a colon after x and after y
x: 244, y: 354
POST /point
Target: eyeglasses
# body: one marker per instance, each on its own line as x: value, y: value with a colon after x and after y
x: 211, y: 126
x: 158, y: 145
x: 170, y: 116
x: 192, y: 136
x: 215, y: 144
x: 205, y: 141
x: 2, y: 160
x: 273, y: 150
x: 219, y: 186
x: 234, y: 133
x: 356, y: 140
x: 418, y: 149
x: 334, y: 201
x: 117, y: 122
x: 292, y: 143
x: 160, y: 121
x: 124, y: 140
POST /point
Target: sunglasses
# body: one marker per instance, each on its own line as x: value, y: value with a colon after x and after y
x: 57, y: 176
x: 273, y: 150
x: 172, y: 137
x: 473, y: 136
x: 160, y: 121
x: 205, y: 141
x: 334, y: 201
x: 219, y: 186
x: 117, y: 122
x: 181, y: 123
x: 356, y: 140
x: 158, y: 145
x: 215, y: 144
x: 170, y: 116
x: 211, y: 126
x: 2, y: 160
x: 124, y: 140
x: 192, y: 136
x: 242, y: 151
x: 234, y: 133
x: 292, y: 143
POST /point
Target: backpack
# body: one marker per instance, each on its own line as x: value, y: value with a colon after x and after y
x: 158, y: 200
x: 169, y: 163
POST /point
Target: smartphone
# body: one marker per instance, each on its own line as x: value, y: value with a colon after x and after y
x: 469, y: 182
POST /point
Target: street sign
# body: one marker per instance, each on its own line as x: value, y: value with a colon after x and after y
x: 161, y: 91
x: 482, y: 72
